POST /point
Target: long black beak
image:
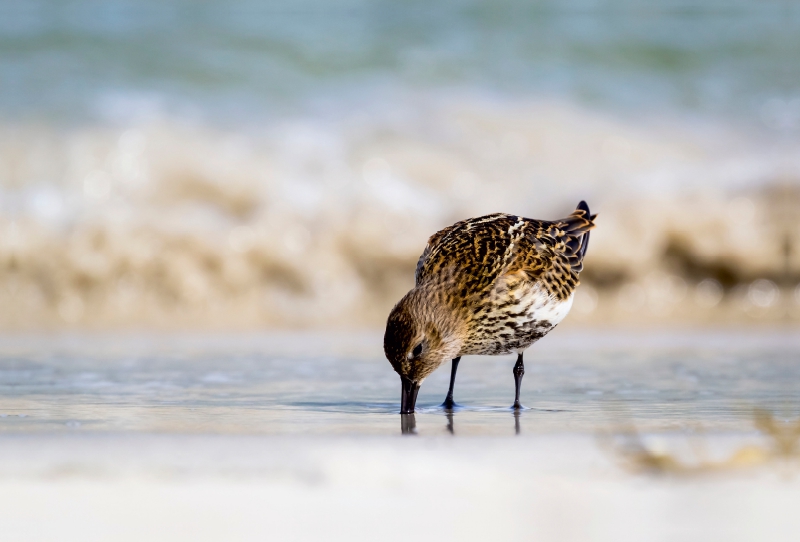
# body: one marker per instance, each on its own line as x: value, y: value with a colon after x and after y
x: 408, y: 397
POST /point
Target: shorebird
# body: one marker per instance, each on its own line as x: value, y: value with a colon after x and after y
x: 490, y: 285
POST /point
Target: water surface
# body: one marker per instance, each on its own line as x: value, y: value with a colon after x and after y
x: 229, y: 60
x: 264, y: 385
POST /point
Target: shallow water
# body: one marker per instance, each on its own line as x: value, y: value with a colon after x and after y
x: 296, y: 436
x: 263, y: 385
x: 119, y: 59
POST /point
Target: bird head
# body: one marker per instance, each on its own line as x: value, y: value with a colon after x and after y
x: 419, y: 337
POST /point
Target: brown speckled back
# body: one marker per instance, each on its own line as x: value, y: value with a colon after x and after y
x: 485, y: 248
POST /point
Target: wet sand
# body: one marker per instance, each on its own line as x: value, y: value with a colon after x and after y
x: 670, y: 436
x: 163, y: 487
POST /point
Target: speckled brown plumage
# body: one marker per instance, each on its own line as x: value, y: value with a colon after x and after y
x: 491, y: 246
x: 488, y: 285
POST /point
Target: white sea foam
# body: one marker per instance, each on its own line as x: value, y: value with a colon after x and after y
x: 321, y: 220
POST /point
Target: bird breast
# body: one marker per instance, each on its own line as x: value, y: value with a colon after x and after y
x: 516, y: 315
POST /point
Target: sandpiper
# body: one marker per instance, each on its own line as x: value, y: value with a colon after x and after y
x: 490, y: 285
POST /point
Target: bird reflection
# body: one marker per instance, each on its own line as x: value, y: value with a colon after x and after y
x: 408, y: 424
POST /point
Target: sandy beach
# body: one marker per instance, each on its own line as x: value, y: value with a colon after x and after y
x: 160, y: 487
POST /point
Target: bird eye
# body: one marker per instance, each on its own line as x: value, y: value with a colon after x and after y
x: 417, y: 350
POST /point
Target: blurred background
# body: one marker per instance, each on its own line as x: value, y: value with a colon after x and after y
x: 240, y: 164
x: 257, y: 179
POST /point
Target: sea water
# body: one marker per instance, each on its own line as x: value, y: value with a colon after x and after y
x: 238, y: 61
x: 311, y: 384
x: 625, y: 436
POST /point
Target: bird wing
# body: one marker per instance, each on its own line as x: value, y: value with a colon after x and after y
x: 552, y: 253
x: 481, y: 250
x: 473, y: 248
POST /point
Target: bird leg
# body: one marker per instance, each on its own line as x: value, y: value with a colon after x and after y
x: 519, y: 370
x: 448, y: 401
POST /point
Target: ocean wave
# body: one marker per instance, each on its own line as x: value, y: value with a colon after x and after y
x: 319, y: 221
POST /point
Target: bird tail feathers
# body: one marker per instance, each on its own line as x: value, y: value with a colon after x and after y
x: 576, y: 227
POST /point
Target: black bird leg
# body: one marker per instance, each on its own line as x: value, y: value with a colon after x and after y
x: 519, y: 370
x: 448, y: 401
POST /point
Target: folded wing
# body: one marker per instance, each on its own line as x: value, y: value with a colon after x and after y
x: 480, y: 250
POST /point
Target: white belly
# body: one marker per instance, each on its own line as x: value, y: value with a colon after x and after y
x: 541, y: 306
x: 514, y: 319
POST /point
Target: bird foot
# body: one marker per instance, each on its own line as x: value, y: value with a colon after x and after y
x: 449, y: 404
x: 517, y: 406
